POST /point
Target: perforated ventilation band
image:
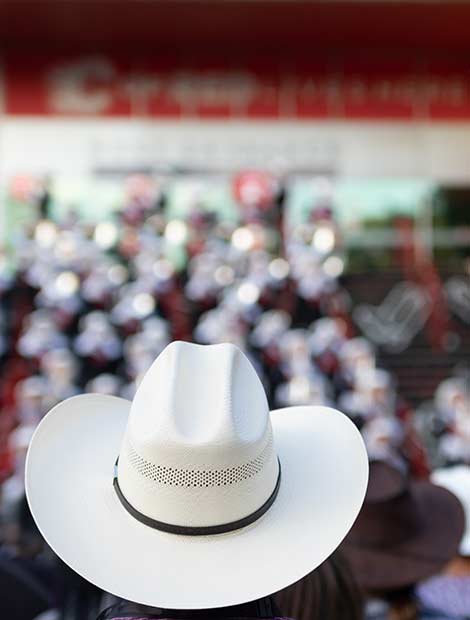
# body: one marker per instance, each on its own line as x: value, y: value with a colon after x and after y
x: 174, y: 476
x: 183, y: 530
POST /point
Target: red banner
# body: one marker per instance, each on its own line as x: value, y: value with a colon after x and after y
x: 103, y: 86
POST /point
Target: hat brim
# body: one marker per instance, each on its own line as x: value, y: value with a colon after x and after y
x: 421, y: 556
x: 464, y: 548
x: 456, y: 479
x: 69, y: 474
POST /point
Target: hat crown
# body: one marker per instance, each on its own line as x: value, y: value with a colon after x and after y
x: 198, y: 448
x: 196, y: 397
x: 390, y: 515
x: 386, y: 483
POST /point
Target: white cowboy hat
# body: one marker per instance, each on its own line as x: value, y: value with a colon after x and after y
x: 457, y: 480
x: 213, y: 502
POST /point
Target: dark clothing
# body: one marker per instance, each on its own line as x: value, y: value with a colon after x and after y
x: 264, y: 608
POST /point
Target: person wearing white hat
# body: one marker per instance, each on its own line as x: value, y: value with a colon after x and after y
x: 325, y: 341
x: 451, y: 396
x: 97, y: 339
x: 194, y: 496
x: 30, y: 400
x: 60, y: 368
x: 295, y: 353
x: 304, y: 390
x: 373, y: 395
x: 355, y: 356
x: 270, y: 326
x: 39, y: 334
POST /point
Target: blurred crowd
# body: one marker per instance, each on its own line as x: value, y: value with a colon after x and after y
x: 88, y: 307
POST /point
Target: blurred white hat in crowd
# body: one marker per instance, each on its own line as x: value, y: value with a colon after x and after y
x: 97, y: 337
x: 269, y: 327
x: 20, y: 438
x: 454, y: 448
x: 370, y: 379
x: 177, y: 499
x: 327, y: 333
x: 59, y: 365
x: 303, y: 390
x: 452, y: 394
x: 354, y: 350
x: 31, y: 388
x: 105, y: 383
x: 457, y: 481
x: 295, y: 353
x: 294, y: 342
x: 222, y: 324
x: 384, y: 437
x: 39, y: 334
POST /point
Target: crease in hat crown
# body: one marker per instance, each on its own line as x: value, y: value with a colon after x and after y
x: 198, y: 449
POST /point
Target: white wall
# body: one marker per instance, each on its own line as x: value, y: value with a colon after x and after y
x: 438, y: 151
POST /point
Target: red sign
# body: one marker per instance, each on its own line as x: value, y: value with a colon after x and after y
x: 102, y: 86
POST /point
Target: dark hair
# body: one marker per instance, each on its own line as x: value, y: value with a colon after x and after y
x: 329, y: 592
x: 263, y: 608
